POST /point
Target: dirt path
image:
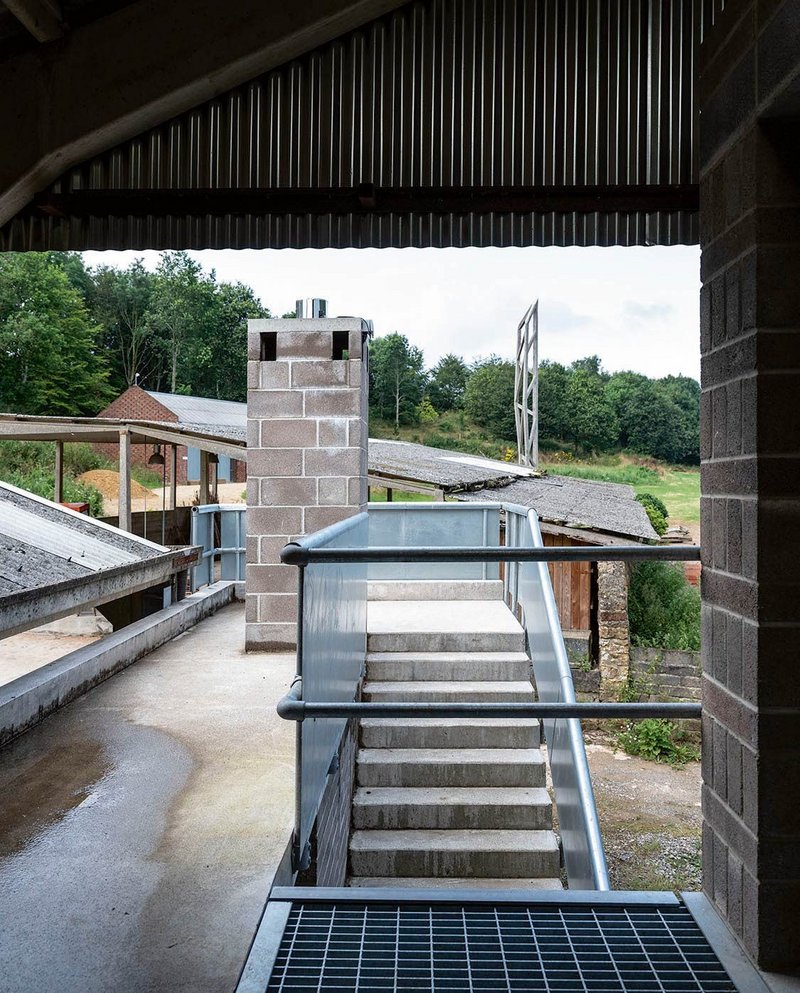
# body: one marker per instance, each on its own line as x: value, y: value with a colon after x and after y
x: 650, y: 819
x: 188, y: 494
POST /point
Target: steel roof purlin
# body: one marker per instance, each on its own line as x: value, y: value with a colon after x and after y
x: 441, y: 123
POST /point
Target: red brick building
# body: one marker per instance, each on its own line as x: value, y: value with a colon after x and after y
x: 223, y: 416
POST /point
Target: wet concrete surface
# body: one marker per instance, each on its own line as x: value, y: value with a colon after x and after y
x: 141, y: 825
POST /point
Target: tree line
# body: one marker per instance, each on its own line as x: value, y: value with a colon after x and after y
x: 580, y: 405
x: 72, y: 338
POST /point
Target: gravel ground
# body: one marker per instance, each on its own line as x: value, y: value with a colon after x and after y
x: 650, y: 819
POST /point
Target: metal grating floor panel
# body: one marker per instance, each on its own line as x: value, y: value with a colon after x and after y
x: 504, y: 948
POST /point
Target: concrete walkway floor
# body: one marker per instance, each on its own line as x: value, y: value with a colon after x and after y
x: 141, y: 825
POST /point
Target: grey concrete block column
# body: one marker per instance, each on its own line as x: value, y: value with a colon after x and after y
x: 750, y: 449
x: 306, y: 453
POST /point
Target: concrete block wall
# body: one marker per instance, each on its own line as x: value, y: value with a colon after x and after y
x: 750, y: 448
x: 306, y: 450
x: 331, y: 832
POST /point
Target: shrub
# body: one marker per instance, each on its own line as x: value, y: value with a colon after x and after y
x: 42, y: 483
x: 648, y: 499
x: 663, y: 609
x: 426, y: 412
x: 656, y: 516
x: 657, y: 740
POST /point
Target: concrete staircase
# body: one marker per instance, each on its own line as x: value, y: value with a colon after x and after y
x: 458, y: 802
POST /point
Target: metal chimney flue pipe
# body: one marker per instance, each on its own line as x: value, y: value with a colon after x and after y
x: 311, y: 308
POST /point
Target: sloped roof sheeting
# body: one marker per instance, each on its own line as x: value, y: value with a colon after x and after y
x: 203, y: 410
x: 42, y: 543
x: 585, y: 100
x: 575, y: 503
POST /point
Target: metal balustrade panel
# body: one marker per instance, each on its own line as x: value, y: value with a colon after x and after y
x: 333, y: 653
x: 530, y: 591
x: 433, y: 525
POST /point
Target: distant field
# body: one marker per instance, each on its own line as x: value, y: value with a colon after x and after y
x: 377, y: 494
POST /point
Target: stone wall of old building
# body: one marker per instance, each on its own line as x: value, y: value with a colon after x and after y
x: 613, y: 641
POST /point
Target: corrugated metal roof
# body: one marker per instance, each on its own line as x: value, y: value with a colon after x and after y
x: 440, y: 93
x: 42, y: 543
x: 203, y: 411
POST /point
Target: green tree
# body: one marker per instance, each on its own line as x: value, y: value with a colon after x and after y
x: 51, y: 359
x: 489, y: 397
x: 214, y: 363
x: 397, y: 379
x: 592, y: 422
x: 178, y: 314
x: 684, y: 392
x: 553, y: 383
x: 448, y: 383
x: 120, y: 301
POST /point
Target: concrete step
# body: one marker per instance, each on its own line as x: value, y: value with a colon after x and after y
x: 483, y: 691
x: 443, y: 626
x: 406, y: 808
x: 488, y: 854
x: 435, y: 589
x: 383, y: 666
x: 492, y: 767
x: 385, y: 732
x: 452, y: 883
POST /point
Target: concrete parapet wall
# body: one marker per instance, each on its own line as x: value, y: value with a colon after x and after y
x: 26, y: 701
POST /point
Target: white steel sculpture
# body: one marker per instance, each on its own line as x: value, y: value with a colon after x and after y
x: 526, y: 387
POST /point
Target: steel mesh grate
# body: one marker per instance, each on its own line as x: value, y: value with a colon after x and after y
x: 614, y: 949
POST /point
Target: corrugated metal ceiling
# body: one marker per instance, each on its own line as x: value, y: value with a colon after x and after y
x: 484, y: 96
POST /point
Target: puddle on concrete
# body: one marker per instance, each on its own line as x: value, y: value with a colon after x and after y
x: 45, y: 792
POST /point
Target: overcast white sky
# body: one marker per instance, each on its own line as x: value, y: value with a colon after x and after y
x: 637, y: 308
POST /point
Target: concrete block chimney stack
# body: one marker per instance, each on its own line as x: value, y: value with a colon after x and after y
x: 306, y: 451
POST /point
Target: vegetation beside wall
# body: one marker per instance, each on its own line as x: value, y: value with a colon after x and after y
x: 663, y: 608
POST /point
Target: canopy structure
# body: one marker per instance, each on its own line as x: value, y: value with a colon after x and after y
x: 437, y: 123
x: 54, y: 561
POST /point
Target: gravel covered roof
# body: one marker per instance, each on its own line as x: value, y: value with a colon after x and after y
x: 576, y: 503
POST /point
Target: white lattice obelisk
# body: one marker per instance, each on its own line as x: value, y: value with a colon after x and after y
x: 526, y: 387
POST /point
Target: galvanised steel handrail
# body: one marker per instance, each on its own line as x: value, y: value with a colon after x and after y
x: 529, y: 594
x: 583, y: 849
x: 231, y: 548
x: 331, y: 654
x: 294, y: 554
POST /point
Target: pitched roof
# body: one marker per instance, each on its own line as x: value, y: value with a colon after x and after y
x: 563, y: 500
x: 203, y: 410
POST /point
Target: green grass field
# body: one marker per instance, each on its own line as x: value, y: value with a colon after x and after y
x: 377, y: 494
